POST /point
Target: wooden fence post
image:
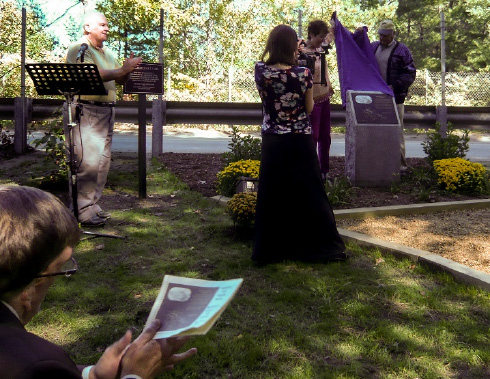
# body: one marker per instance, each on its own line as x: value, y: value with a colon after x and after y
x: 158, y: 116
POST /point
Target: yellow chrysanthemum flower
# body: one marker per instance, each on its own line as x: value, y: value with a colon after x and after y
x: 460, y: 175
x: 227, y: 178
x: 241, y: 208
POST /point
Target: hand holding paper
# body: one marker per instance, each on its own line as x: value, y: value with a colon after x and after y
x: 188, y: 306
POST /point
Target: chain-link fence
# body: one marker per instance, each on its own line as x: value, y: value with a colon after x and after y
x: 237, y: 85
x: 462, y: 89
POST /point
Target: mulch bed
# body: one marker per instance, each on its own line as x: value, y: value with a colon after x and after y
x: 199, y: 171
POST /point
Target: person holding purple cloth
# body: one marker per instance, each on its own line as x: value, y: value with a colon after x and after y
x: 320, y: 34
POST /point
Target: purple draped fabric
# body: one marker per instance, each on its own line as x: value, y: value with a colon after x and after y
x: 358, y: 69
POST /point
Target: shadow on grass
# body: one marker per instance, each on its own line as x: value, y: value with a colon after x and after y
x: 370, y: 317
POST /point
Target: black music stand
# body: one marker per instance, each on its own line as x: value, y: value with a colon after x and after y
x: 69, y: 79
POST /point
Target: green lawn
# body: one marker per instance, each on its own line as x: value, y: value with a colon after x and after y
x: 370, y: 317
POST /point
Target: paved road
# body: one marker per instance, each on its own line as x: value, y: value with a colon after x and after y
x: 201, y: 141
x: 215, y: 142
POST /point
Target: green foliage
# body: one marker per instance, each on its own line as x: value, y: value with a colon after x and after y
x: 467, y: 45
x: 38, y: 47
x: 241, y: 208
x: 486, y: 184
x: 460, y: 175
x: 338, y: 190
x: 6, y: 143
x: 205, y: 38
x: 54, y: 145
x: 229, y: 176
x: 423, y: 182
x: 134, y: 27
x: 338, y: 129
x: 6, y: 138
x: 436, y: 146
x: 242, y: 147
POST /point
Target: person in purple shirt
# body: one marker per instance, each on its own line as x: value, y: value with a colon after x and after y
x: 293, y: 219
x: 396, y: 66
x: 319, y: 35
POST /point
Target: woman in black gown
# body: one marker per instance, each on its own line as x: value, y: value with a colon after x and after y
x: 294, y: 219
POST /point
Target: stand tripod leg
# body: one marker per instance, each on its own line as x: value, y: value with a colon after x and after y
x: 73, y: 191
x: 95, y: 235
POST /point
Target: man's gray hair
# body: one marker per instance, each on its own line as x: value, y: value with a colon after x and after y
x: 89, y: 18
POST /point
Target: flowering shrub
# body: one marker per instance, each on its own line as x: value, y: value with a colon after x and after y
x: 241, y: 208
x: 246, y: 147
x: 460, y: 175
x: 228, y: 177
x: 438, y: 147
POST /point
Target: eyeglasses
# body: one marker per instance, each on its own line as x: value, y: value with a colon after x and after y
x: 69, y: 268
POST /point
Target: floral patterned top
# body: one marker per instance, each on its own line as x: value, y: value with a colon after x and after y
x: 283, y: 96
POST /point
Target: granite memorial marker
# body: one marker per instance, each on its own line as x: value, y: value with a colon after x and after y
x: 372, y: 141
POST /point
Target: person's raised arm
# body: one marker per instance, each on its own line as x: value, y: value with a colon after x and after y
x: 121, y: 74
x: 330, y: 37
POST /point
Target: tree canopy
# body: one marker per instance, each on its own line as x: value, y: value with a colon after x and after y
x: 38, y: 46
x: 204, y: 38
x: 467, y: 28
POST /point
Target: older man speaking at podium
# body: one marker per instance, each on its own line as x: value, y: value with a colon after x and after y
x: 94, y: 114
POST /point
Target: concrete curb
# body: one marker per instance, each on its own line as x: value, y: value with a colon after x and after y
x: 461, y: 273
x: 220, y: 199
x: 397, y: 210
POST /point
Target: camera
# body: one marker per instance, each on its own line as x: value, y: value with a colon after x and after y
x: 309, y: 59
x: 326, y: 48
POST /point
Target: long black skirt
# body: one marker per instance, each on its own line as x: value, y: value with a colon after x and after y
x: 294, y: 219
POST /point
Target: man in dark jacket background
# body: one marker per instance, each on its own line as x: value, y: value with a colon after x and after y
x: 397, y: 69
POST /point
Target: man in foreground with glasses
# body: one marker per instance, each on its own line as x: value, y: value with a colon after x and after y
x: 37, y: 236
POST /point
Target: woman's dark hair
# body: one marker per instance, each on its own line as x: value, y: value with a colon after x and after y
x: 281, y: 46
x: 317, y: 27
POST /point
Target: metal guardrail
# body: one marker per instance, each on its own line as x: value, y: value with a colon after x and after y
x: 176, y: 112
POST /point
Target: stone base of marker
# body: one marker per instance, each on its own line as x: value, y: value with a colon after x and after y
x: 372, y: 139
x: 246, y: 184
